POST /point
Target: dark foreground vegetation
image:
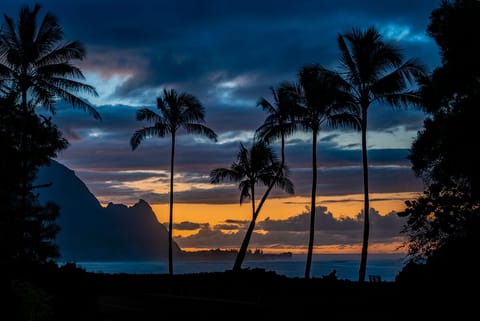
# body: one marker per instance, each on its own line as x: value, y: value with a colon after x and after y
x: 69, y: 293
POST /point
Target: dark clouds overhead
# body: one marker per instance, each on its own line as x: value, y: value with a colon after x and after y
x: 228, y: 54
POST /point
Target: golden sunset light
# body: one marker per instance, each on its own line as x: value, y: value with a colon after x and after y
x: 281, y: 208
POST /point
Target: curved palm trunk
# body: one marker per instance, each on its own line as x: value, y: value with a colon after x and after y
x: 312, y: 206
x: 170, y: 220
x: 246, y: 240
x: 237, y: 266
x: 366, y: 208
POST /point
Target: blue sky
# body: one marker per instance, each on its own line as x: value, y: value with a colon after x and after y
x: 228, y: 54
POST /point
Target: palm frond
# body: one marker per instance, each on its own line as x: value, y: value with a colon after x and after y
x: 218, y: 175
x: 266, y: 105
x: 347, y: 61
x: 347, y: 120
x: 161, y: 105
x: 27, y: 22
x: 73, y: 50
x: 64, y: 70
x: 65, y: 94
x: 148, y: 115
x: 404, y: 99
x: 49, y: 33
x: 200, y: 129
x: 245, y: 187
x: 286, y: 185
x: 398, y: 80
x: 70, y: 85
x: 143, y: 133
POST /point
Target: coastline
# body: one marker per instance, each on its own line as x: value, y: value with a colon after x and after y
x: 219, y: 254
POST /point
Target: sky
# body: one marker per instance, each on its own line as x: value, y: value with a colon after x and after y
x: 229, y: 54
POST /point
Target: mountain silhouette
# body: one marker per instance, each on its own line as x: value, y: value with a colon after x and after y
x: 92, y: 232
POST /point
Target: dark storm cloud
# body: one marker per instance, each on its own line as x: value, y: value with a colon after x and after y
x: 188, y: 226
x: 292, y: 231
x: 228, y: 54
x: 176, y: 42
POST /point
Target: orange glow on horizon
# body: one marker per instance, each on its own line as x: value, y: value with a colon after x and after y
x: 281, y: 208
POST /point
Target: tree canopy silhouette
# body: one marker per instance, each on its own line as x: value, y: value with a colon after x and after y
x: 27, y: 228
x: 445, y: 220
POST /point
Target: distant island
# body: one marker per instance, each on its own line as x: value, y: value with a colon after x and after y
x: 230, y: 254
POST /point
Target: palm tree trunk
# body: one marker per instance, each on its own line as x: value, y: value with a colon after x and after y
x: 366, y: 209
x: 243, y: 248
x: 170, y: 220
x: 312, y: 205
x: 237, y: 266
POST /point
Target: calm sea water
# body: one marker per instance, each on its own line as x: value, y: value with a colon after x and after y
x: 387, y: 267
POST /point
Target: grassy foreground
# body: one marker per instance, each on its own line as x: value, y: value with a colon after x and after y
x: 73, y: 294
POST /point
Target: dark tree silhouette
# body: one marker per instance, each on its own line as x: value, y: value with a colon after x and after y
x: 445, y: 219
x: 36, y: 67
x: 27, y: 228
x: 322, y: 101
x: 376, y: 73
x: 254, y: 166
x: 176, y: 111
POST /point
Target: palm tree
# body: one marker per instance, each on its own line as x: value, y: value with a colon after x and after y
x: 375, y: 72
x: 254, y: 166
x: 324, y: 102
x: 176, y: 111
x: 37, y: 67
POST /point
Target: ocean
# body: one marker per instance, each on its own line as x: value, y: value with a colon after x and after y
x: 346, y: 266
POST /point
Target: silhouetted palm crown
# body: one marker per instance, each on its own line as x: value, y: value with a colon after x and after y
x: 176, y: 111
x: 323, y: 99
x: 254, y: 166
x: 36, y: 67
x: 375, y: 70
x: 280, y: 121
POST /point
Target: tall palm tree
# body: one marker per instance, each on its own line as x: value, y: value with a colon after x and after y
x: 375, y: 72
x: 324, y: 103
x: 176, y: 111
x: 254, y: 166
x: 37, y: 67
